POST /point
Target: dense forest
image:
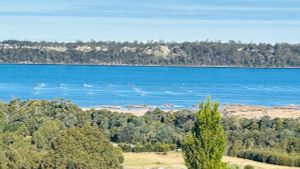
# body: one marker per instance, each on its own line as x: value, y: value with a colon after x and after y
x: 206, y: 53
x: 58, y: 133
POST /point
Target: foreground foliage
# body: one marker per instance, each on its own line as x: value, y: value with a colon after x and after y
x: 30, y: 129
x: 32, y: 139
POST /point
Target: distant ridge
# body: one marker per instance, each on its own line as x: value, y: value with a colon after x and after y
x: 205, y: 53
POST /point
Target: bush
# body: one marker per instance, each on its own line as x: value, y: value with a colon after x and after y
x: 232, y: 166
x: 157, y: 147
x: 138, y: 148
x: 125, y: 147
x: 249, y: 167
x: 271, y: 157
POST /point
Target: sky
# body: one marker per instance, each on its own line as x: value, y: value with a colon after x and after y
x: 268, y: 21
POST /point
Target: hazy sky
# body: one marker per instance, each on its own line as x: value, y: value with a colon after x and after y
x: 169, y: 20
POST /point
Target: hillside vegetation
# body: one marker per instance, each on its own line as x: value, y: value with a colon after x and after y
x: 38, y: 129
x: 206, y: 53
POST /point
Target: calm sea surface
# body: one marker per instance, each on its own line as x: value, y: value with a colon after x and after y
x: 92, y: 86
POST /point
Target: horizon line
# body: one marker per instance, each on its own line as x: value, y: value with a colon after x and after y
x: 148, y: 41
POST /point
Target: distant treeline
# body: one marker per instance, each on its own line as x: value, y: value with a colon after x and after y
x: 206, y: 53
x: 38, y: 124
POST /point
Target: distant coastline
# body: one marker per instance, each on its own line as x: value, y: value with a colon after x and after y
x: 171, y: 54
x: 134, y: 65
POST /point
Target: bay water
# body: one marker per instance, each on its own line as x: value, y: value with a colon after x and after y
x: 178, y: 87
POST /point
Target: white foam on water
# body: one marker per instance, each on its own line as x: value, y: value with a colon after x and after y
x: 6, y: 85
x: 90, y: 93
x: 62, y: 86
x: 170, y: 93
x: 87, y: 85
x: 111, y: 89
x: 258, y: 88
x: 248, y: 88
x: 139, y: 91
x: 37, y: 88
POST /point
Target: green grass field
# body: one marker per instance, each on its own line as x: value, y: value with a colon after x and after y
x: 174, y: 160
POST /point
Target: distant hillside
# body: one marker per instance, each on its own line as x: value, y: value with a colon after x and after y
x: 205, y: 53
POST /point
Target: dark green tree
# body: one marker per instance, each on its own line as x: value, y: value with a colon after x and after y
x: 85, y: 147
x: 204, y: 146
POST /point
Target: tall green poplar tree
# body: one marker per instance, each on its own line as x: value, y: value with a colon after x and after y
x: 204, y: 147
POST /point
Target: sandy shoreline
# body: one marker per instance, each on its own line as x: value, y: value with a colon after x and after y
x: 247, y: 111
x: 290, y: 111
x: 137, y: 111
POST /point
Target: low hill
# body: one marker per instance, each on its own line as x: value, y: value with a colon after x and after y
x: 206, y: 53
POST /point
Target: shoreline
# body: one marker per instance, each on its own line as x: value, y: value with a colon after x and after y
x: 228, y: 110
x: 134, y: 65
x: 138, y: 110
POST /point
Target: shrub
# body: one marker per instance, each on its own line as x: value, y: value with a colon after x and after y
x: 232, y: 166
x: 125, y: 147
x: 249, y: 167
x: 271, y: 157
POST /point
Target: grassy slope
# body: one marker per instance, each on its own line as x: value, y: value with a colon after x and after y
x: 174, y: 161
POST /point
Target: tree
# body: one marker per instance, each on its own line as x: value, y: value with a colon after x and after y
x: 18, y: 152
x: 46, y: 133
x: 204, y: 146
x: 85, y: 147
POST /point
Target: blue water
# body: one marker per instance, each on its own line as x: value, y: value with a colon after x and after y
x: 90, y: 86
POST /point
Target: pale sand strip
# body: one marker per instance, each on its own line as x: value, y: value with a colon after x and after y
x: 246, y: 111
x: 137, y: 112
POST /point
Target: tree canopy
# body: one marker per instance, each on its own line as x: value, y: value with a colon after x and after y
x: 84, y: 147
